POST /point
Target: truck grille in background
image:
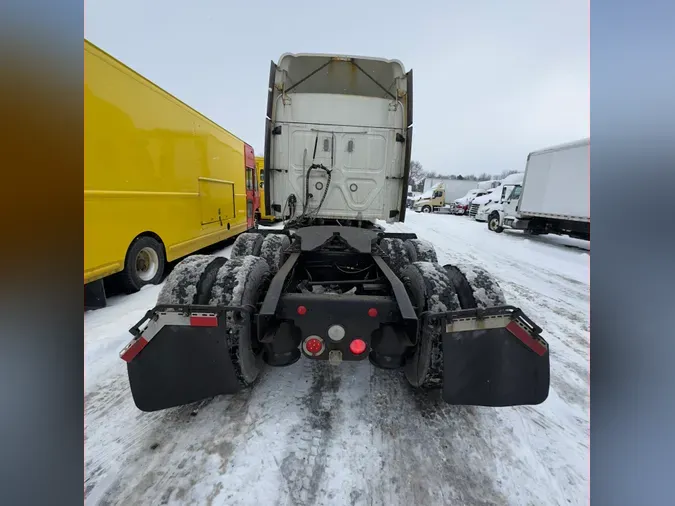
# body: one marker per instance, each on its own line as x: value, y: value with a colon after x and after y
x: 473, y: 210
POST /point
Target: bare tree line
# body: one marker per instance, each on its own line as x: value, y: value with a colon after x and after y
x: 418, y: 175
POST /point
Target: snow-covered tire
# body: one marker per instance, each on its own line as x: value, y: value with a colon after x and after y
x: 429, y: 289
x: 190, y: 280
x: 248, y: 243
x: 420, y: 250
x: 143, y: 265
x: 426, y: 209
x: 273, y: 251
x: 242, y: 281
x: 396, y: 254
x: 475, y: 286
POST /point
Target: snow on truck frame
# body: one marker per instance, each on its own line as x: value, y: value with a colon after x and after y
x: 332, y: 285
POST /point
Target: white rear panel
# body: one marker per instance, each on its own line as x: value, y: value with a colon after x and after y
x: 557, y: 183
x: 355, y: 134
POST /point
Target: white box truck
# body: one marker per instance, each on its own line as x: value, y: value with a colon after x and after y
x: 554, y: 196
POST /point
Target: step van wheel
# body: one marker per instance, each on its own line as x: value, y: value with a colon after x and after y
x: 144, y: 264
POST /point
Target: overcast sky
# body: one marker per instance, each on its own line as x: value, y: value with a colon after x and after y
x: 494, y: 80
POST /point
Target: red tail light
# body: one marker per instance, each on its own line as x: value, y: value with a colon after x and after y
x: 357, y: 346
x: 302, y: 310
x: 313, y: 346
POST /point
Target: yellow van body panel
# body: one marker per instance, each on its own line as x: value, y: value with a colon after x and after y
x: 152, y: 165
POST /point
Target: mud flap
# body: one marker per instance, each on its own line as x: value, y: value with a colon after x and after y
x: 494, y: 357
x: 175, y: 364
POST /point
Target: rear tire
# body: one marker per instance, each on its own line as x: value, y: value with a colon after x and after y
x: 248, y: 243
x: 429, y: 289
x: 273, y: 251
x: 493, y: 223
x: 475, y: 287
x: 420, y: 250
x: 144, y: 264
x: 396, y: 256
x: 242, y: 281
x: 190, y: 280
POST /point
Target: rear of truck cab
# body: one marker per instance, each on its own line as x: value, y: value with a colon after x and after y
x: 338, y: 138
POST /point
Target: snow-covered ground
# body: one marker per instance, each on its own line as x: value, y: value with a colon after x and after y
x: 312, y: 434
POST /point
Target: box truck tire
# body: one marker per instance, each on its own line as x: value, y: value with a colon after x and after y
x: 426, y: 209
x: 429, y: 289
x: 144, y: 264
x: 493, y: 223
x: 242, y: 281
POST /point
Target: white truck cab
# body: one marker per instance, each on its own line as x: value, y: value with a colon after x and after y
x: 488, y: 204
x: 461, y: 205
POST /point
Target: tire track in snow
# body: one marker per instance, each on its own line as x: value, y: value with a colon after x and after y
x: 304, y: 466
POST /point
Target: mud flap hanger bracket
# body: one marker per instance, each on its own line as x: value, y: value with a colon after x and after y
x: 509, y: 318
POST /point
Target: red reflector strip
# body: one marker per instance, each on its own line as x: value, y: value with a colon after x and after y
x: 526, y: 338
x: 133, y: 349
x: 204, y: 321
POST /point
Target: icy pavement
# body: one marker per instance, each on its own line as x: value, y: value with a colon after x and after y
x: 311, y: 434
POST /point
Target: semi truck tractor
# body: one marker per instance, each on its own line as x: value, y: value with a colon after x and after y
x: 496, y: 198
x: 333, y: 285
x: 441, y: 194
x: 554, y: 196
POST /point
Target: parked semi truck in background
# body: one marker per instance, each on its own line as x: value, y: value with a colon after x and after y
x: 161, y: 180
x: 554, y: 196
x: 441, y: 194
x: 333, y: 285
x: 483, y: 206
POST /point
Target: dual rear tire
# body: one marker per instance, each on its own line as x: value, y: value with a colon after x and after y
x: 240, y: 281
x: 437, y: 289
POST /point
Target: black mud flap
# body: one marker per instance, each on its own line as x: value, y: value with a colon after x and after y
x: 179, y: 364
x: 494, y: 357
